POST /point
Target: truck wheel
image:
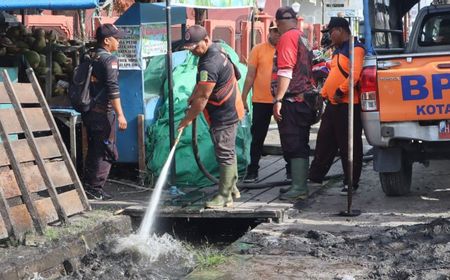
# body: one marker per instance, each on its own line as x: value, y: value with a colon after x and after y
x: 397, y: 183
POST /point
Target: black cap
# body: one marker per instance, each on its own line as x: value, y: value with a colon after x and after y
x: 108, y: 30
x: 193, y: 36
x: 336, y: 22
x: 285, y: 13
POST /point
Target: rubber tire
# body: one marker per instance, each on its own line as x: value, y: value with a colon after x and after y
x: 397, y: 183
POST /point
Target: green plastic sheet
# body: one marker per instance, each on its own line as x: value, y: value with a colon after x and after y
x: 157, y: 134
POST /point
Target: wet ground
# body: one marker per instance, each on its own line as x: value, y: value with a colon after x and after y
x: 131, y: 258
x: 394, y: 238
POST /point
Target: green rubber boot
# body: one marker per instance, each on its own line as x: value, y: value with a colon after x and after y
x: 299, y: 187
x: 228, y: 178
x: 235, y: 191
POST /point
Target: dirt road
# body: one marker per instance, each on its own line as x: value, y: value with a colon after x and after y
x: 394, y: 238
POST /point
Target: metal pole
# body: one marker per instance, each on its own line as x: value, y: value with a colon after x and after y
x: 173, y: 172
x: 350, y: 120
x: 323, y: 12
x: 252, y: 29
x: 367, y: 28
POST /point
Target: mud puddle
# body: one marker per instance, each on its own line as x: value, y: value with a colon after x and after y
x: 133, y: 258
x: 162, y: 256
x: 405, y: 252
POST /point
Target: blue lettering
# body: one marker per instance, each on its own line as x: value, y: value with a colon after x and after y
x: 408, y: 87
x: 421, y: 110
x: 440, y: 107
x: 431, y: 110
x: 438, y: 85
x: 447, y: 109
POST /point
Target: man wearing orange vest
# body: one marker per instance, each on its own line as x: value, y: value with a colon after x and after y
x: 333, y: 132
x: 217, y: 95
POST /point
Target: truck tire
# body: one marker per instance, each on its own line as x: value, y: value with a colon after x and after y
x: 397, y: 183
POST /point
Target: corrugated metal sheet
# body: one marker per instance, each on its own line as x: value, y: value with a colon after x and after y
x: 48, y: 4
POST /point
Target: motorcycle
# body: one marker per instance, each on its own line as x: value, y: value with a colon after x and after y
x: 320, y: 68
x: 321, y: 64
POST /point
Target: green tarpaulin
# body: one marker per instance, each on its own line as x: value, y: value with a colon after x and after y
x: 157, y: 140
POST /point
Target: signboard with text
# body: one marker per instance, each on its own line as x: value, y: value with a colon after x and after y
x: 141, y: 41
x: 154, y: 39
x: 128, y: 53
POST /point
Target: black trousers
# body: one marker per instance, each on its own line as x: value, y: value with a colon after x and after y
x: 332, y: 139
x: 262, y: 113
x: 294, y: 129
x: 102, y: 151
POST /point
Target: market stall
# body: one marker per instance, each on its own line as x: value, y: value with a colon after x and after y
x: 51, y: 55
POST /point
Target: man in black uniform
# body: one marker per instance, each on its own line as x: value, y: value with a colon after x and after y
x: 100, y: 121
x: 217, y: 95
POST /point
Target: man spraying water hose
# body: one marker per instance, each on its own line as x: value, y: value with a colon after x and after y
x: 217, y: 95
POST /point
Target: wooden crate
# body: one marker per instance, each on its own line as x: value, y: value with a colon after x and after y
x: 38, y: 182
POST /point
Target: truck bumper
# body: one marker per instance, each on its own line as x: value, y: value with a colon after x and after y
x: 381, y: 134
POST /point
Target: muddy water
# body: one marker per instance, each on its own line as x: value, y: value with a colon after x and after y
x: 405, y: 252
x: 133, y: 258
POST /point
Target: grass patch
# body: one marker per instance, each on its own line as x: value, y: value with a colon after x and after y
x: 207, y: 257
x: 77, y: 225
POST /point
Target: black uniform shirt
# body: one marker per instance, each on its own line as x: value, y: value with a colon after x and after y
x: 214, y: 67
x: 106, y: 78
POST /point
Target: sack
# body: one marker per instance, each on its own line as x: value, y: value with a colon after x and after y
x: 315, y: 102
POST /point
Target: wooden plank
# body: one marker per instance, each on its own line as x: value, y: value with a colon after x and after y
x: 248, y: 195
x: 35, y: 119
x: 8, y: 184
x: 59, y: 174
x: 267, y: 196
x: 47, y: 148
x: 22, y: 220
x: 4, y: 160
x: 3, y: 232
x: 61, y: 147
x: 6, y: 225
x: 19, y: 177
x: 69, y: 201
x: 24, y: 93
x: 25, y: 123
x: 33, y: 179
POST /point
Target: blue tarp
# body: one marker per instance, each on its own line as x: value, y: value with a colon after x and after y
x: 48, y: 4
x: 151, y: 12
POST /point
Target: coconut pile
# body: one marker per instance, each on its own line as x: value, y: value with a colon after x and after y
x: 34, y: 45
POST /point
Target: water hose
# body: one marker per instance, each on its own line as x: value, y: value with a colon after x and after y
x: 214, y: 179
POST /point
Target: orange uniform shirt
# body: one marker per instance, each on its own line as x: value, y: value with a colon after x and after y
x: 261, y: 57
x: 336, y: 79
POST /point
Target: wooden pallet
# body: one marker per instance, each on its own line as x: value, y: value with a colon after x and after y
x: 255, y: 203
x: 38, y: 182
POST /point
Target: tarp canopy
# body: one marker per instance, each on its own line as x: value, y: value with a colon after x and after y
x: 48, y: 4
x: 151, y: 12
x: 214, y: 4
